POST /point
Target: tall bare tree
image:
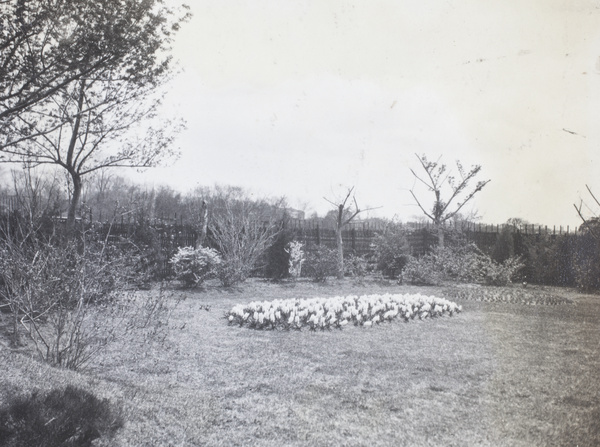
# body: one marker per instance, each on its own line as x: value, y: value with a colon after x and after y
x: 344, y: 214
x: 450, y: 193
x: 588, y: 215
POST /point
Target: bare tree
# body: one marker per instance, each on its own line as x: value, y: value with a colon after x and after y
x: 343, y: 216
x: 450, y: 194
x: 590, y: 224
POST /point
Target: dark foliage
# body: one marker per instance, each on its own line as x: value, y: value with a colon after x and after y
x: 587, y: 263
x: 62, y: 417
x: 276, y: 259
x: 391, y: 250
x: 504, y: 246
x: 548, y: 259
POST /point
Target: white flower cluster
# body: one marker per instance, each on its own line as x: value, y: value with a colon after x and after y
x: 195, y: 265
x: 294, y: 249
x: 325, y: 313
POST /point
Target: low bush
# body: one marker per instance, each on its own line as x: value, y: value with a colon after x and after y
x: 391, y: 250
x: 193, y: 266
x: 422, y: 271
x: 320, y: 263
x: 62, y: 417
x: 233, y: 271
x: 501, y: 274
x: 465, y: 263
x: 71, y: 302
x: 357, y: 267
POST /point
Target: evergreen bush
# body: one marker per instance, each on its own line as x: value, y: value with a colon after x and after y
x: 62, y: 417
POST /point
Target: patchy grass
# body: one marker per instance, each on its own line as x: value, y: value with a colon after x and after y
x: 497, y: 374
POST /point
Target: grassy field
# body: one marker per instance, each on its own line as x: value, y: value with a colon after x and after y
x: 497, y: 374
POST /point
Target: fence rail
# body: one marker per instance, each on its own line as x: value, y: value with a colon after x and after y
x: 166, y: 235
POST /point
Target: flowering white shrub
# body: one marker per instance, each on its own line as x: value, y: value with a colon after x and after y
x: 194, y: 266
x: 325, y: 313
x: 294, y: 249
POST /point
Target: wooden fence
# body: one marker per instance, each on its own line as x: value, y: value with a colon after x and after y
x: 358, y: 236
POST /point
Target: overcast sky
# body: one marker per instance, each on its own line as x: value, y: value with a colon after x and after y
x: 306, y: 98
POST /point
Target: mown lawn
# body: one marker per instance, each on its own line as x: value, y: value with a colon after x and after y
x: 496, y: 374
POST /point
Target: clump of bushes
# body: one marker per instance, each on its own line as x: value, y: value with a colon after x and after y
x: 357, y: 267
x: 193, y: 266
x: 242, y: 231
x: 62, y: 417
x: 465, y: 263
x: 391, y: 250
x: 321, y: 262
x: 587, y: 263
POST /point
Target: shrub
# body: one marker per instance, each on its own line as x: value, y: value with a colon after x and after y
x: 464, y: 263
x: 296, y: 258
x: 391, y: 250
x: 321, y: 263
x: 233, y: 271
x: 63, y: 417
x: 422, y: 271
x: 276, y: 258
x: 356, y: 267
x: 72, y: 304
x: 501, y: 274
x: 41, y: 280
x: 241, y: 230
x: 587, y: 263
x: 194, y: 266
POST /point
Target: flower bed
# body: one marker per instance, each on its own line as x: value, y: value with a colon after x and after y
x: 510, y: 295
x: 336, y: 312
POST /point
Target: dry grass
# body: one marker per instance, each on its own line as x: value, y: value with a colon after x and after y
x: 498, y: 374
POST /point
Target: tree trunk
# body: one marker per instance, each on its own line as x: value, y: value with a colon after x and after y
x: 71, y: 230
x: 340, y: 253
x: 339, y: 242
x: 440, y: 235
x: 203, y: 225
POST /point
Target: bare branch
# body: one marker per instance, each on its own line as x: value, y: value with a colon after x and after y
x: 592, y: 194
x: 421, y: 206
